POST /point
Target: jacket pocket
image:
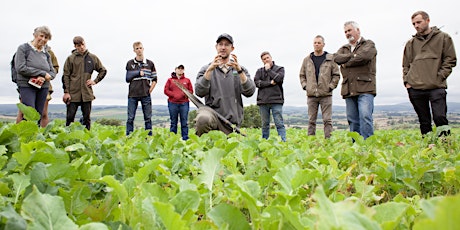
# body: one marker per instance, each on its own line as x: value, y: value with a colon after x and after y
x: 365, y: 84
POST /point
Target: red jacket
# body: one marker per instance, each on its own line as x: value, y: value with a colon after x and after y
x: 175, y: 95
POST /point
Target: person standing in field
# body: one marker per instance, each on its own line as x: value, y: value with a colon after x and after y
x: 142, y: 78
x: 270, y: 96
x: 178, y: 102
x: 357, y: 60
x: 34, y: 69
x: 44, y: 117
x: 77, y: 82
x: 319, y: 76
x: 427, y: 62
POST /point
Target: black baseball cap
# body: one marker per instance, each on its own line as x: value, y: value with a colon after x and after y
x: 180, y: 66
x: 225, y: 36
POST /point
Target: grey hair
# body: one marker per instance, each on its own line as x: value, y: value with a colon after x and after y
x: 352, y: 23
x: 43, y: 29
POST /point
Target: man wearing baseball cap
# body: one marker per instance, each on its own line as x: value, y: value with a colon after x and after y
x: 221, y: 83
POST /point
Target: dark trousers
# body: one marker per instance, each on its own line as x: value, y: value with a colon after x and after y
x: 422, y: 99
x: 85, y: 110
x: 34, y: 98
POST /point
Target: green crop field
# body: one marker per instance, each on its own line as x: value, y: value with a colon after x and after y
x: 62, y: 177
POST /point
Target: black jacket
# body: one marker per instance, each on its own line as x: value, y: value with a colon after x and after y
x: 268, y: 93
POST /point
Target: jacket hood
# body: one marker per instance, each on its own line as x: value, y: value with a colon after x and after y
x: 75, y: 52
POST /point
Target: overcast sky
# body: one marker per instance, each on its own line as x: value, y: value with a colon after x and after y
x: 184, y: 32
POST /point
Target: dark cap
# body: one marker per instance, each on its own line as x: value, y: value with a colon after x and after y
x: 180, y: 67
x: 225, y: 36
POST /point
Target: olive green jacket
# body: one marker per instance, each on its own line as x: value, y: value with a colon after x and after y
x: 428, y: 62
x: 77, y: 70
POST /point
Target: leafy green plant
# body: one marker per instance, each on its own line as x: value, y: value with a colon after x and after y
x: 71, y: 178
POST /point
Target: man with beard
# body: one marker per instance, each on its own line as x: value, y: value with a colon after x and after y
x: 427, y: 62
x: 357, y: 61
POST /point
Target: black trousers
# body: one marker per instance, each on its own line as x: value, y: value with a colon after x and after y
x: 422, y: 99
x: 85, y: 110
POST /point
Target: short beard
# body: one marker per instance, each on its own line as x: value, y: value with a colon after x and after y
x: 351, y: 39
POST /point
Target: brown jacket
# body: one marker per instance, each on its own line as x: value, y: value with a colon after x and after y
x: 358, y: 68
x: 77, y: 70
x: 328, y: 78
x: 428, y: 62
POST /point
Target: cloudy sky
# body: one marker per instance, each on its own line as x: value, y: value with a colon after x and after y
x: 184, y: 32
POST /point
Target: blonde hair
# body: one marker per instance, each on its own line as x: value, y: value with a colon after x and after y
x: 136, y: 44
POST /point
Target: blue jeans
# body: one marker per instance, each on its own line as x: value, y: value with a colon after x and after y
x: 277, y: 111
x: 359, y: 114
x: 146, y: 103
x: 176, y: 111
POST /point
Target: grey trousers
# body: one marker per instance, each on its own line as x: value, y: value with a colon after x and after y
x: 326, y: 112
x: 206, y: 120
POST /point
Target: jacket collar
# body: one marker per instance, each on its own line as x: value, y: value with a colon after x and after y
x: 434, y: 30
x: 139, y: 62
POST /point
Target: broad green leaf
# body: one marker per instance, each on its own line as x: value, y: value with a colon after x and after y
x: 115, y: 167
x: 90, y: 171
x: 143, y: 174
x: 446, y: 215
x: 30, y: 113
x: 4, y: 188
x: 249, y: 192
x: 75, y: 147
x: 20, y: 182
x: 365, y: 192
x: 170, y: 219
x: 94, y: 226
x: 342, y: 215
x: 389, y: 215
x: 285, y: 176
x: 231, y: 146
x: 39, y: 178
x: 119, y: 189
x: 225, y: 215
x: 44, y: 211
x: 287, y: 218
x: 14, y: 221
x: 210, y: 166
x: 186, y: 200
x: 204, y: 225
x: 77, y: 199
x: 39, y: 151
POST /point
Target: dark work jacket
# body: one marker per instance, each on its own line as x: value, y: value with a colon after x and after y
x: 358, y: 68
x: 268, y: 93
